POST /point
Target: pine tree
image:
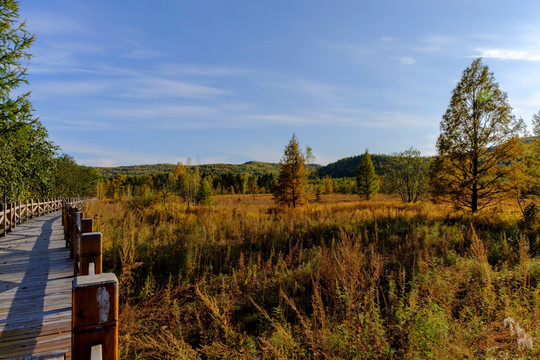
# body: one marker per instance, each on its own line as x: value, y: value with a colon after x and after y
x: 291, y: 182
x: 479, y: 144
x: 204, y: 194
x: 366, y: 179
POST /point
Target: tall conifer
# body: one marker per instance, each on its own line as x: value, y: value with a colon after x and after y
x: 291, y: 182
x: 366, y: 179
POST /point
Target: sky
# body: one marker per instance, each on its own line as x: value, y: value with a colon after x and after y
x: 142, y: 82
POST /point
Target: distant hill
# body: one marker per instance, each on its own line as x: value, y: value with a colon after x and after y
x: 346, y: 167
x: 252, y: 167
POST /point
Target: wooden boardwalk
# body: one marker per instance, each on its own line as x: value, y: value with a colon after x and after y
x: 35, y: 291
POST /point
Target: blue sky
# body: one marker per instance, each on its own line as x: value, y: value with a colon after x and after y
x: 138, y: 82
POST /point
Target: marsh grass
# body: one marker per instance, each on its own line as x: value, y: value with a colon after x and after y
x: 337, y: 279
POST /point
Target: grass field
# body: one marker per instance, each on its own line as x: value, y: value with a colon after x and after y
x: 339, y: 279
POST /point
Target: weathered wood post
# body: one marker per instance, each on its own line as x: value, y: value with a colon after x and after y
x: 86, y: 227
x: 4, y: 219
x: 76, y: 217
x: 31, y: 208
x: 95, y: 316
x: 91, y: 253
x: 20, y: 210
x: 13, y: 214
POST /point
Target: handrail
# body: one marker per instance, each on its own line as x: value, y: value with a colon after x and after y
x: 94, y: 294
x: 15, y: 213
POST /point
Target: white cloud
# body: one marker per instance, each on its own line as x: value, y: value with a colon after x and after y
x: 407, y: 60
x: 507, y: 54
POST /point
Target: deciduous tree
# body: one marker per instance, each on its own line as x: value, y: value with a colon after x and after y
x: 407, y: 175
x: 367, y: 180
x: 26, y: 156
x: 479, y: 143
x: 291, y: 182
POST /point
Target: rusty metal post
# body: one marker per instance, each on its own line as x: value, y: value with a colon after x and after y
x: 95, y: 316
x: 91, y: 252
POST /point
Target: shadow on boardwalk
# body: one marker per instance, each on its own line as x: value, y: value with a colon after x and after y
x: 35, y: 290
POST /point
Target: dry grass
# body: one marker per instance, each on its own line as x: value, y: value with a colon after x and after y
x: 343, y: 278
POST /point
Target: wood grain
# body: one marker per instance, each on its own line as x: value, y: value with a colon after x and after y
x: 35, y: 291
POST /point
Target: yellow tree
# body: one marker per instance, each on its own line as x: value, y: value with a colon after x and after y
x: 291, y: 182
x: 479, y: 144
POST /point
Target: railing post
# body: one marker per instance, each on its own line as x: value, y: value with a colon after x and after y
x: 95, y: 316
x: 20, y: 210
x: 4, y: 220
x: 76, y: 217
x: 13, y: 214
x: 31, y: 208
x: 86, y: 227
x: 90, y: 252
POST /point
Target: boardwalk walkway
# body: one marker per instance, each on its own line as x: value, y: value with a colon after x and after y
x: 35, y: 291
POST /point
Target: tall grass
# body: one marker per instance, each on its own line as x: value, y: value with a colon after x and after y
x: 340, y: 279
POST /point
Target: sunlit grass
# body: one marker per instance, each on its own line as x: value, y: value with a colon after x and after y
x: 341, y: 278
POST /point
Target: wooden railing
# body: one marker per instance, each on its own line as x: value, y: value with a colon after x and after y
x: 15, y: 213
x: 94, y: 332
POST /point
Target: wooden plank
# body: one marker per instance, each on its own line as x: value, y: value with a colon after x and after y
x: 35, y: 289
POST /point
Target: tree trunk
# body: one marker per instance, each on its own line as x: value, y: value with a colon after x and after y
x: 474, y: 195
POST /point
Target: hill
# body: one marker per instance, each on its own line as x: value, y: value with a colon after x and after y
x: 346, y: 167
x: 251, y: 167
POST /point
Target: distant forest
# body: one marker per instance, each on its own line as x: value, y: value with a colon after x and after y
x: 343, y: 168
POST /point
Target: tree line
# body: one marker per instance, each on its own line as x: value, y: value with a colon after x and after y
x: 484, y: 155
x: 30, y: 165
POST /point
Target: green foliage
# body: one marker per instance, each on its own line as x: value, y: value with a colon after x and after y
x: 204, y: 194
x: 347, y: 167
x: 367, y: 181
x: 478, y: 145
x: 407, y: 175
x: 26, y: 156
x: 72, y: 180
x: 252, y: 167
x: 292, y: 178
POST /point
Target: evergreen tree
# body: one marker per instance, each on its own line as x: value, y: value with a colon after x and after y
x: 291, y: 182
x: 26, y: 156
x: 479, y: 143
x: 204, y: 194
x: 366, y: 179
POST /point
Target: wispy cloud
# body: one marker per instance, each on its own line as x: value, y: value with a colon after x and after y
x: 355, y: 52
x: 202, y: 70
x: 508, y: 54
x: 156, y: 87
x: 315, y: 89
x: 407, y: 60
x: 143, y: 54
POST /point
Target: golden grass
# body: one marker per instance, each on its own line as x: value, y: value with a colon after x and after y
x: 343, y: 278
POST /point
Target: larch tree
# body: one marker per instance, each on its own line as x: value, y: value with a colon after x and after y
x: 290, y: 188
x: 26, y: 156
x: 367, y: 181
x: 479, y: 143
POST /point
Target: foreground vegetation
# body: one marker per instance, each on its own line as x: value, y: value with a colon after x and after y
x: 343, y: 278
